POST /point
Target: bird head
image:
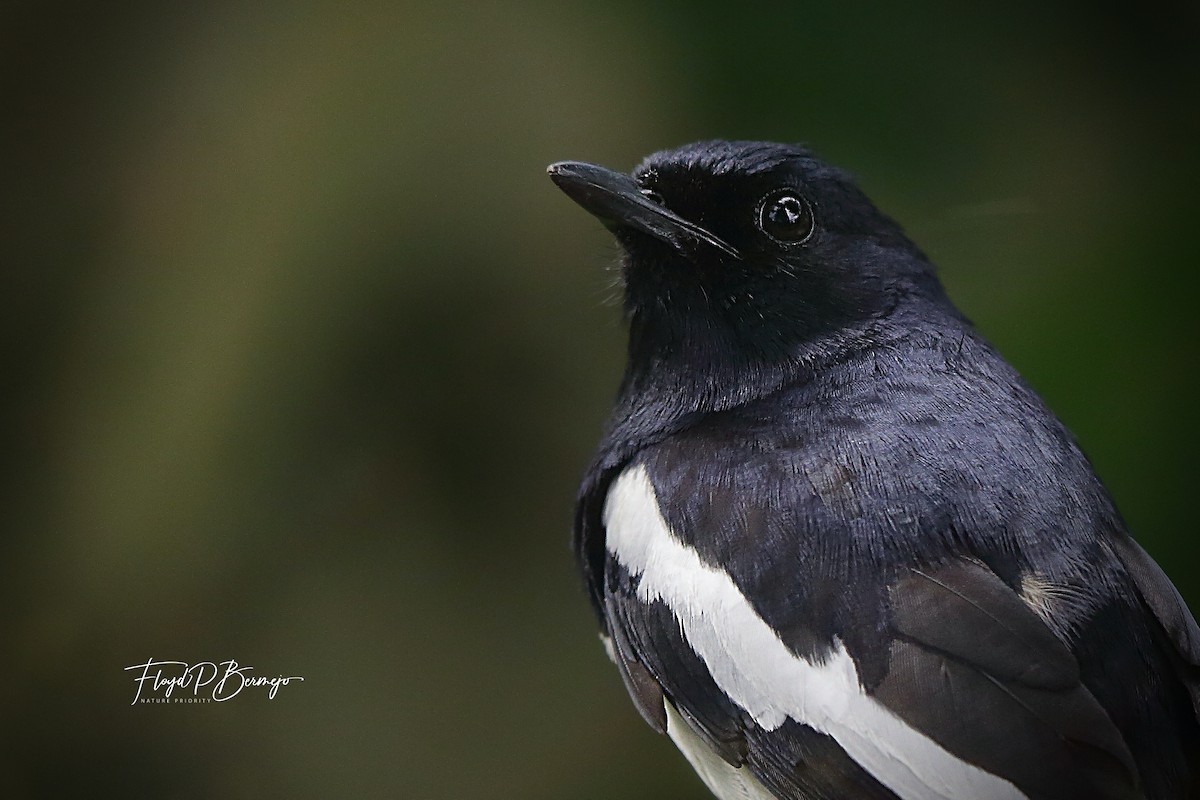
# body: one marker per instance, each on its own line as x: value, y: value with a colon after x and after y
x: 750, y: 248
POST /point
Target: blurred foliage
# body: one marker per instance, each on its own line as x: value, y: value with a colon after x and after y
x: 304, y: 353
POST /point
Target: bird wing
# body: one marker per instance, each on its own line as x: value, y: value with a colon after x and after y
x: 945, y: 685
x: 1164, y: 601
x: 659, y: 665
x: 972, y: 667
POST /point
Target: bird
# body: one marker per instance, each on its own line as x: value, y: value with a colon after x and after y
x: 835, y: 545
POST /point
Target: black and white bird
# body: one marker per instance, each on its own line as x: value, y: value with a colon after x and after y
x: 837, y: 547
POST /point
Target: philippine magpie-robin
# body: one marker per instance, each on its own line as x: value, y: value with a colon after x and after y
x: 837, y: 547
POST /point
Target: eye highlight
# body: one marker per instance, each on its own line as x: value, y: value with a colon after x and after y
x: 786, y: 217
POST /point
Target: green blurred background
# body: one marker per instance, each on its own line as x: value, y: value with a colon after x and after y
x: 304, y: 353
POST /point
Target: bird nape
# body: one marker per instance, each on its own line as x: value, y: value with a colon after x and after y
x: 837, y: 547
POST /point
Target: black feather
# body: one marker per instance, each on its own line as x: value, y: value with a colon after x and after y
x: 821, y: 424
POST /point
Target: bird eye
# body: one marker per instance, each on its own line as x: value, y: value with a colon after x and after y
x: 786, y: 217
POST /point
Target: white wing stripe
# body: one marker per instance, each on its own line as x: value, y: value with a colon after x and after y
x: 752, y: 665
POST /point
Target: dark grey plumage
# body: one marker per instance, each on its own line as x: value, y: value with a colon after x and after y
x: 822, y: 426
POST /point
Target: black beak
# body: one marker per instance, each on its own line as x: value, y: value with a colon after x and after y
x: 617, y: 201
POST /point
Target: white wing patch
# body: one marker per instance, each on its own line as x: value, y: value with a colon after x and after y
x: 749, y: 662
